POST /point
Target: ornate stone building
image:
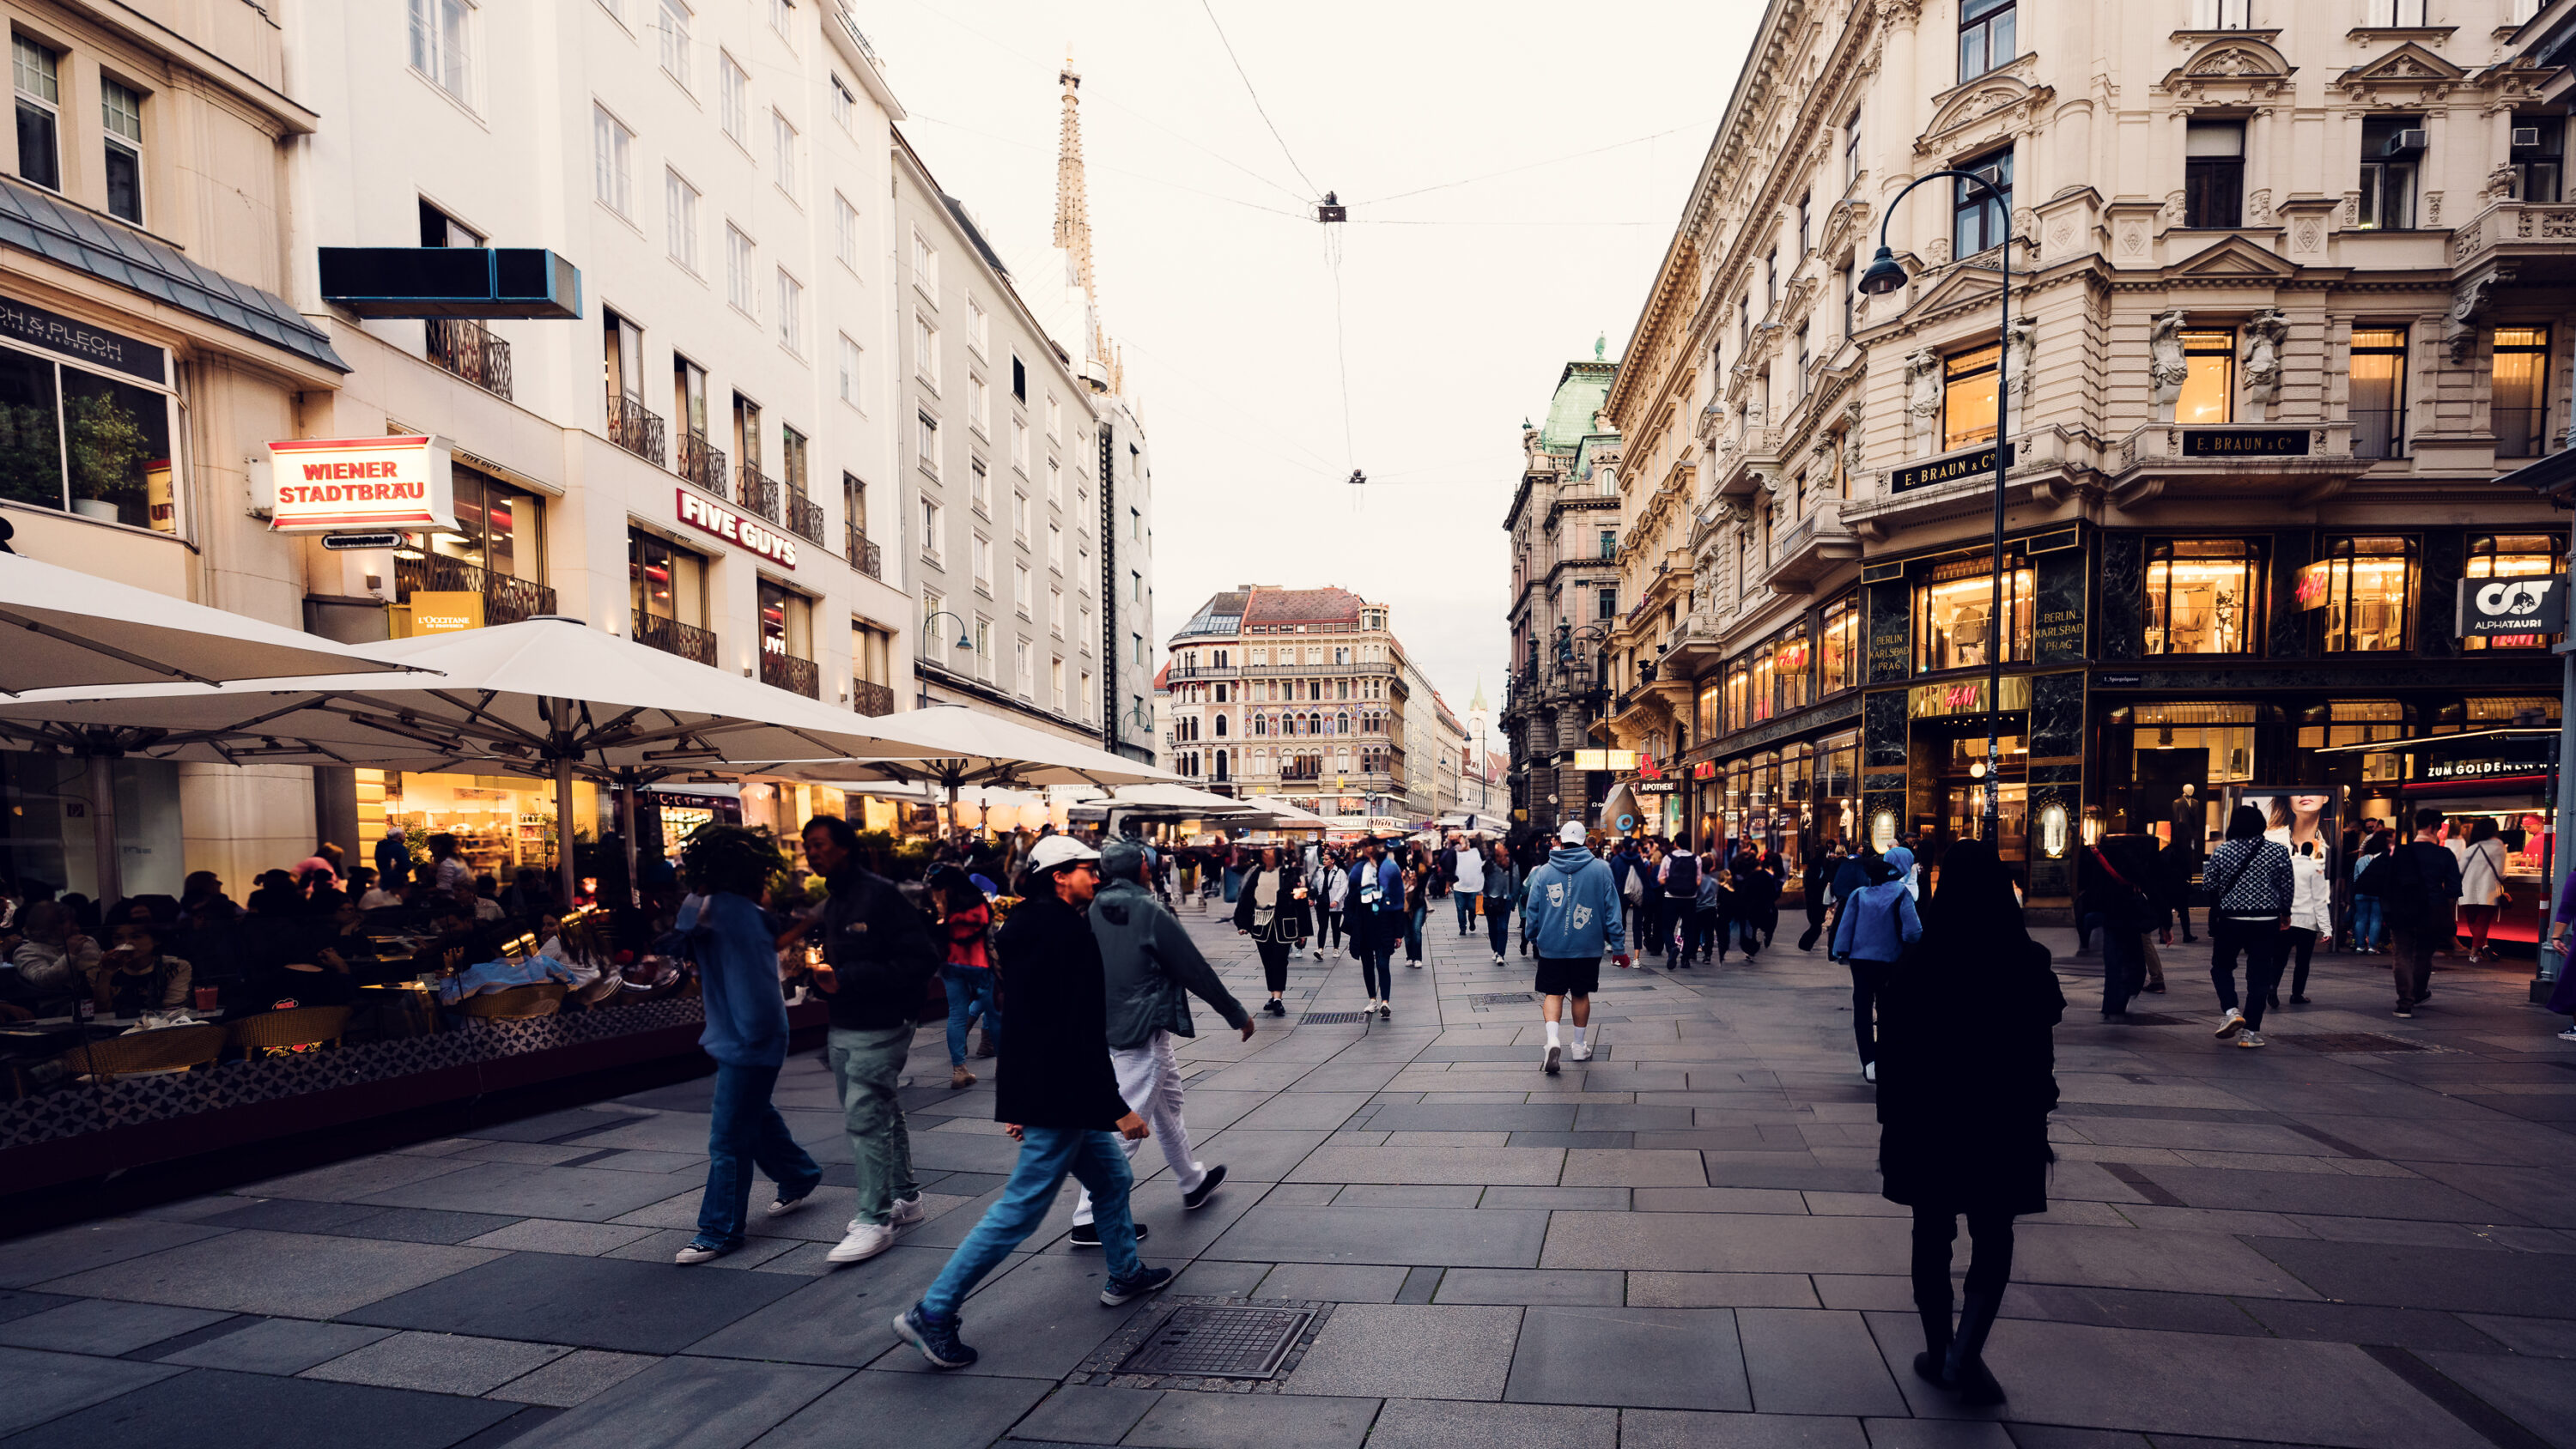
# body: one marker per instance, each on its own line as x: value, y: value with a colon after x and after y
x: 2287, y: 299
x: 1302, y: 693
x: 1564, y: 526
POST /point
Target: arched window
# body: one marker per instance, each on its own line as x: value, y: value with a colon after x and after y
x: 1220, y: 726
x: 1221, y: 757
x: 1260, y: 725
x: 1342, y: 723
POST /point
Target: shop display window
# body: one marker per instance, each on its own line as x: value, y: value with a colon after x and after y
x: 2493, y: 711
x: 2204, y: 596
x: 1711, y: 720
x: 667, y: 581
x: 2366, y: 588
x: 2511, y: 556
x: 84, y: 444
x: 1793, y: 678
x: 2204, y: 745
x: 2358, y: 722
x: 1739, y: 673
x: 2209, y: 378
x: 1968, y: 398
x: 1839, y: 645
x: 1760, y: 695
x: 1951, y: 609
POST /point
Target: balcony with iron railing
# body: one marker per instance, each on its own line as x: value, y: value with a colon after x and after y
x: 757, y: 492
x: 703, y: 464
x: 868, y: 558
x: 804, y: 516
x: 673, y: 637
x: 506, y: 600
x: 635, y: 428
x: 785, y: 671
x: 464, y: 347
x: 870, y: 698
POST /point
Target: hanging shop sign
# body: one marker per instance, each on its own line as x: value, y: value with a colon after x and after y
x: 1652, y: 787
x: 1946, y: 470
x: 79, y: 341
x: 1966, y: 696
x: 1704, y: 770
x: 2479, y: 769
x: 708, y: 516
x: 2245, y: 442
x: 1605, y: 759
x: 2312, y: 587
x: 2512, y: 606
x: 324, y: 485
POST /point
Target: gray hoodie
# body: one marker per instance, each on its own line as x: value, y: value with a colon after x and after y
x: 1151, y: 965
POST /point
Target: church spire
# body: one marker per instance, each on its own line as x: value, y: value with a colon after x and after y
x: 1072, y: 210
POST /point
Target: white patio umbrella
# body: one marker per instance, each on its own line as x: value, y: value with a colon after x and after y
x: 973, y: 748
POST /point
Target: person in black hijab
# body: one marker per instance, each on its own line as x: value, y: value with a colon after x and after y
x: 1966, y: 1080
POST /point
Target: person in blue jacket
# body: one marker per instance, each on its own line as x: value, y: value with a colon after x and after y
x: 746, y: 1032
x: 1377, y: 917
x: 1572, y: 907
x: 1876, y: 924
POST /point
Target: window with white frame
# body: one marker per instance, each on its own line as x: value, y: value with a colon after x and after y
x: 782, y: 18
x: 1020, y: 518
x: 441, y: 48
x: 851, y: 388
x: 983, y: 563
x: 979, y: 328
x: 1055, y: 417
x: 680, y: 219
x: 1055, y: 483
x: 930, y: 542
x: 1082, y: 639
x: 845, y: 106
x: 791, y: 313
x: 1024, y: 599
x: 1055, y: 612
x: 738, y: 263
x: 980, y: 486
x: 40, y: 96
x: 782, y: 152
x: 612, y: 146
x: 983, y: 648
x: 2395, y: 14
x: 1021, y: 671
x: 926, y: 444
x: 1020, y: 445
x: 675, y: 41
x: 733, y: 99
x: 925, y: 351
x: 925, y: 266
x: 121, y: 118
x: 1055, y: 548
x: 2219, y: 15
x: 979, y: 404
x: 845, y: 231
x: 1055, y: 685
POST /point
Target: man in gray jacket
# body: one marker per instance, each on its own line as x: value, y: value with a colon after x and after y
x: 1152, y: 968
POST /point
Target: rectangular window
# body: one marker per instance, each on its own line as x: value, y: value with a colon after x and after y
x: 979, y: 404
x: 925, y: 351
x: 1802, y: 359
x: 782, y: 152
x: 850, y: 386
x: 2209, y: 381
x: 733, y: 99
x: 2391, y: 148
x: 1607, y: 602
x: 926, y: 444
x: 40, y: 97
x: 680, y: 219
x: 931, y: 544
x: 1055, y: 548
x: 2519, y: 401
x: 1851, y: 151
x: 1841, y: 645
x: 738, y: 263
x: 1806, y: 215
x: 982, y: 552
x: 1953, y: 607
x: 2538, y: 156
x: 791, y: 313
x: 2204, y: 596
x: 675, y: 41
x: 1968, y: 396
x: 1845, y: 283
x: 2219, y: 15
x: 1055, y: 483
x: 1985, y: 36
x: 1609, y: 543
x: 925, y: 267
x: 1020, y: 517
x: 1019, y: 378
x: 438, y: 51
x: 1979, y: 220
x: 611, y: 145
x: 2378, y: 376
x: 979, y: 487
x: 1055, y: 684
x: 1055, y: 612
x: 845, y: 106
x: 2366, y: 587
x: 1055, y: 418
x: 845, y: 231
x: 2396, y: 14
x: 1793, y: 677
x: 782, y: 18
x: 1771, y: 281
x: 114, y: 436
x: 2213, y: 173
x: 1019, y: 437
x: 121, y: 118
x: 2510, y: 557
x: 984, y: 649
x: 979, y: 329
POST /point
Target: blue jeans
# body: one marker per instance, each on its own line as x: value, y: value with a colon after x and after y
x: 1466, y: 903
x: 2366, y: 928
x: 1095, y: 1159
x: 1413, y: 931
x: 746, y: 1131
x: 970, y: 991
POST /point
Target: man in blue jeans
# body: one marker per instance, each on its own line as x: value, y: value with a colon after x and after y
x: 1056, y: 1095
x: 1377, y: 921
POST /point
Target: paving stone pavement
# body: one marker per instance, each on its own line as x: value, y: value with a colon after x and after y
x: 1677, y: 1243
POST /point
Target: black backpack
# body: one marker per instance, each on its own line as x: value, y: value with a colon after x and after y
x: 1681, y: 882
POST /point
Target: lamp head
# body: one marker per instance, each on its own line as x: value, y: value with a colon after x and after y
x: 1884, y: 275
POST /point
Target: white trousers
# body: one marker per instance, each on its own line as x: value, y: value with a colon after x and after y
x: 1149, y: 1079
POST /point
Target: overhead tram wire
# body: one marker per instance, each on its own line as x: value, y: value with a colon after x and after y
x: 1526, y: 166
x: 1120, y: 170
x: 1262, y: 110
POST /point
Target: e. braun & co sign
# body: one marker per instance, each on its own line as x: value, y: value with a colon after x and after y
x: 708, y: 516
x: 324, y: 484
x: 1946, y: 470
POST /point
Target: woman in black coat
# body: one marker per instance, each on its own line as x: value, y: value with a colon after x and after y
x: 1966, y: 1080
x: 1271, y: 909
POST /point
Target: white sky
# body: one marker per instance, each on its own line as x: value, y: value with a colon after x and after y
x: 1458, y: 307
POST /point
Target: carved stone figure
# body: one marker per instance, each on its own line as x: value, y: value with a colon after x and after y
x: 2264, y: 338
x: 1922, y: 399
x: 2166, y: 366
x: 2021, y: 367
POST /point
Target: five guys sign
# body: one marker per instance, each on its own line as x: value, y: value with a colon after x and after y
x: 701, y: 512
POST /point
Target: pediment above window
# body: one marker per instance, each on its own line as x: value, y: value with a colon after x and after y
x: 1977, y: 115
x: 2408, y: 68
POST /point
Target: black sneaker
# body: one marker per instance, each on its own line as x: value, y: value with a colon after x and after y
x: 935, y: 1337
x: 1087, y: 1235
x: 1118, y: 1292
x: 1198, y: 1198
x: 1276, y: 1007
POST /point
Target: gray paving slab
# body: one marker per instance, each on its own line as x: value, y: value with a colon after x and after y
x: 195, y: 1407
x: 354, y: 1179
x: 1530, y: 1286
x: 1731, y: 1243
x: 1410, y: 1350
x: 1437, y: 1424
x: 1304, y: 1111
x: 1328, y: 1282
x: 2415, y: 1328
x: 1475, y: 1166
x: 1940, y: 1434
x: 1441, y: 1237
x: 1804, y: 1361
x: 1038, y: 1318
x: 2538, y: 1394
x: 2335, y: 1195
x: 1670, y: 1429
x: 688, y: 1403
x: 2539, y: 1337
x: 1081, y: 1414
x: 1182, y: 1420
x: 67, y: 1251
x: 104, y: 1327
x: 2466, y: 1280
x: 438, y: 1363
x: 965, y: 1411
x: 552, y: 1235
x: 582, y: 1302
x: 15, y: 1304
x: 1721, y: 1290
x: 43, y: 1387
x: 1669, y: 1358
x: 843, y: 1317
x: 582, y: 1194
x: 294, y: 1275
x: 576, y: 1378
x: 277, y: 1346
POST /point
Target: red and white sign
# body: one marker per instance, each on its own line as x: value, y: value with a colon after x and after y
x: 703, y: 513
x: 326, y: 484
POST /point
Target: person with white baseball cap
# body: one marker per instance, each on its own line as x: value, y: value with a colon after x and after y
x: 1056, y: 1095
x: 1572, y: 905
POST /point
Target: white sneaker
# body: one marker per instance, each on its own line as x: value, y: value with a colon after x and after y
x: 2568, y: 1035
x: 2232, y: 1023
x: 2249, y: 1038
x: 1498, y: 958
x: 907, y: 1211
x: 1869, y: 1073
x: 865, y: 1241
x: 1580, y: 1051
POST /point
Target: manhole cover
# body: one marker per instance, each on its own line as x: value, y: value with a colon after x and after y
x: 1497, y: 998
x: 1225, y: 1342
x: 2351, y: 1041
x: 1332, y: 1018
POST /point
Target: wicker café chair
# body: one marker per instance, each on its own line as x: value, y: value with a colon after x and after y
x: 284, y: 1030
x: 145, y: 1053
x: 519, y: 1003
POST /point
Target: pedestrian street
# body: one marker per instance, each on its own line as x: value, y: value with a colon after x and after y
x: 2359, y: 1237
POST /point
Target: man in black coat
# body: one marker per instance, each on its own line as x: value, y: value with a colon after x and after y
x: 1056, y: 1095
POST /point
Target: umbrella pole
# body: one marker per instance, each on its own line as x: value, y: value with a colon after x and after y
x: 563, y: 830
x: 626, y: 828
x: 102, y: 825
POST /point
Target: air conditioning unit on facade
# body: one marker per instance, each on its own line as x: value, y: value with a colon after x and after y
x: 2406, y: 143
x: 2526, y: 138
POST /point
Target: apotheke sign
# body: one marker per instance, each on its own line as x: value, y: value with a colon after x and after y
x: 325, y: 484
x: 706, y: 515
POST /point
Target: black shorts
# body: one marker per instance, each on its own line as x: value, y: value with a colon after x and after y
x: 1566, y: 976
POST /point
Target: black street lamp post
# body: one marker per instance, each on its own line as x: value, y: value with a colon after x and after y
x: 1885, y: 275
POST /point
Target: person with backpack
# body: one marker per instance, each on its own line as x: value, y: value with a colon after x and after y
x: 2482, y: 891
x: 1877, y: 923
x: 2251, y: 890
x: 1678, y: 880
x: 1708, y: 913
x: 1500, y: 886
x: 1573, y: 912
x: 2416, y: 885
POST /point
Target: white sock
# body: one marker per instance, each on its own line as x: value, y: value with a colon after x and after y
x: 1551, y: 1034
x: 1578, y: 1036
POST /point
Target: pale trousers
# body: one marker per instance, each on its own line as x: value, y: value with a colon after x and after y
x: 1149, y: 1081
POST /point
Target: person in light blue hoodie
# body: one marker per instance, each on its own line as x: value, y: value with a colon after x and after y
x: 1877, y: 923
x: 1571, y: 905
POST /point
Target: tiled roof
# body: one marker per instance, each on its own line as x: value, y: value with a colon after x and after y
x: 1303, y: 606
x: 34, y: 221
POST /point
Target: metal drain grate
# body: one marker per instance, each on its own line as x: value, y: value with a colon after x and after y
x: 2351, y: 1041
x: 1219, y: 1341
x: 1332, y: 1018
x: 1498, y: 998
